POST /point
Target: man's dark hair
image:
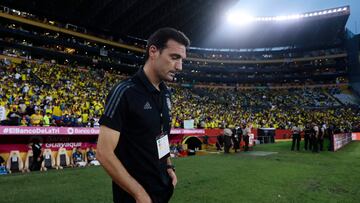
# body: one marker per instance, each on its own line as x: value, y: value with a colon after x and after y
x: 160, y: 37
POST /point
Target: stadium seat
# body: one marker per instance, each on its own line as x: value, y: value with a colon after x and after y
x: 62, y: 159
x: 28, y: 160
x: 49, y: 160
x: 14, y: 162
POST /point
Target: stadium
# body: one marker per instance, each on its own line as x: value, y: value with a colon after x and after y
x: 266, y: 108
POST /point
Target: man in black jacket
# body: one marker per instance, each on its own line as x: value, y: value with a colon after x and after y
x: 133, y: 145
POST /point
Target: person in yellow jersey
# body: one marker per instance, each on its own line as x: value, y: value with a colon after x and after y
x: 98, y: 106
x: 85, y: 118
x: 47, y: 120
x: 3, y: 111
x: 57, y: 112
x: 36, y: 119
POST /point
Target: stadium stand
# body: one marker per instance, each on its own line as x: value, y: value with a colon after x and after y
x: 69, y: 86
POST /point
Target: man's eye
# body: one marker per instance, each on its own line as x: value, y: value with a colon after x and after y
x: 175, y: 57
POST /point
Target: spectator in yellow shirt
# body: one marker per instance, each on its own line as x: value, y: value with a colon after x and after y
x: 57, y: 113
x: 36, y: 119
x: 85, y: 117
x: 47, y: 120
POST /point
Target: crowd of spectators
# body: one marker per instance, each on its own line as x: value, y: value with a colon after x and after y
x: 45, y: 94
x: 278, y: 108
x: 198, y: 71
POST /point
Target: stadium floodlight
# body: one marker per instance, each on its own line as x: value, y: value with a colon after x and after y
x: 235, y: 17
x: 280, y: 17
x: 239, y: 18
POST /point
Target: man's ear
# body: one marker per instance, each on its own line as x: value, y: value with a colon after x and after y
x: 153, y: 51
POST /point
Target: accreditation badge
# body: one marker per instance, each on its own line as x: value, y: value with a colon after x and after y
x: 168, y: 102
x: 163, y: 147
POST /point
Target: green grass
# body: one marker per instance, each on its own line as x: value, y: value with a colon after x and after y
x: 284, y: 177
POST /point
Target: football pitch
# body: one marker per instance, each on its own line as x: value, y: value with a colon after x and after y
x: 286, y: 176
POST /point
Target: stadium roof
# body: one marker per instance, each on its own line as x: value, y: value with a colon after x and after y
x: 201, y: 20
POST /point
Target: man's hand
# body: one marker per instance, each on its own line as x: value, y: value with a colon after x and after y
x: 172, y: 176
x: 107, y: 142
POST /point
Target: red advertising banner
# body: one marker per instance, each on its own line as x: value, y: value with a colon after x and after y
x: 5, y: 148
x: 17, y: 137
x: 355, y: 136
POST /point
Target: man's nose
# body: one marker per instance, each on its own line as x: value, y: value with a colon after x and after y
x: 178, y: 66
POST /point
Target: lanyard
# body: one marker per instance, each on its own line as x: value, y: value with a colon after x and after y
x: 159, y: 103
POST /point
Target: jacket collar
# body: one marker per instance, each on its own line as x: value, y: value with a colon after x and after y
x: 144, y: 79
